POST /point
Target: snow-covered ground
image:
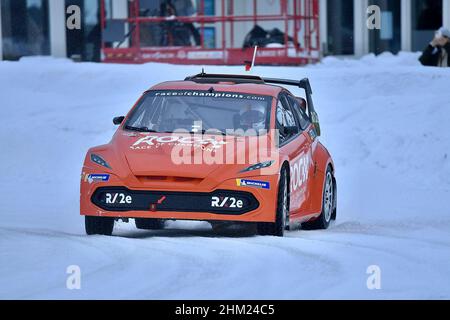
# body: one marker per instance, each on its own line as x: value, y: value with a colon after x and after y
x: 386, y: 121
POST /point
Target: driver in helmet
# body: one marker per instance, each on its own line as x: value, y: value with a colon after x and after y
x: 252, y: 117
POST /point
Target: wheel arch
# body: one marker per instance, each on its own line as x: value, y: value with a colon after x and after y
x: 322, y: 160
x: 286, y: 166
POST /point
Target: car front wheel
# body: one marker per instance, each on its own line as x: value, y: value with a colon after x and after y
x: 149, y: 223
x: 328, y: 205
x: 99, y: 225
x: 282, y: 215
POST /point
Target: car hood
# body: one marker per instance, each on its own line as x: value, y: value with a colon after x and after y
x: 183, y: 155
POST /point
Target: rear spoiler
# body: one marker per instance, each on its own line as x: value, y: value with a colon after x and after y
x: 305, y: 85
x: 302, y: 84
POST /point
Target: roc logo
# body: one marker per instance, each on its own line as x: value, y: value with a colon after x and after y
x: 252, y: 183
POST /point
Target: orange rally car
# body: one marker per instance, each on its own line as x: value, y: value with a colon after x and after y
x: 217, y: 148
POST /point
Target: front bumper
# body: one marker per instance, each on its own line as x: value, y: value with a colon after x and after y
x: 226, y: 201
x: 122, y: 199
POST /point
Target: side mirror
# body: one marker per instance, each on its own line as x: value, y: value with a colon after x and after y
x: 291, y: 130
x: 118, y: 120
x: 315, y: 122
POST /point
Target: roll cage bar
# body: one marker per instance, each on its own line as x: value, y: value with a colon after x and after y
x: 239, y: 79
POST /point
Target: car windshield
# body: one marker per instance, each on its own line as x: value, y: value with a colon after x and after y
x: 201, y: 111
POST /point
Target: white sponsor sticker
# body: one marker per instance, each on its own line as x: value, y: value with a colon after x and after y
x: 151, y: 141
x: 300, y: 172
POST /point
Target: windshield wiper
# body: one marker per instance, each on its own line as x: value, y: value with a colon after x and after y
x: 209, y: 131
x: 140, y: 129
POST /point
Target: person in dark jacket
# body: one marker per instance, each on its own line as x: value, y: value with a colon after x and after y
x: 437, y: 53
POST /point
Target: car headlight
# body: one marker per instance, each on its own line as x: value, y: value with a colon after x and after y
x: 99, y: 160
x: 258, y: 166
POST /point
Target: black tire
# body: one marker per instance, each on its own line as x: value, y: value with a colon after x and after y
x: 328, y: 205
x: 99, y: 225
x: 233, y: 229
x: 220, y: 227
x: 149, y: 224
x: 334, y: 214
x: 277, y: 228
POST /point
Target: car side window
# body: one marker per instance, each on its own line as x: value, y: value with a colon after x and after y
x: 284, y: 118
x: 302, y: 117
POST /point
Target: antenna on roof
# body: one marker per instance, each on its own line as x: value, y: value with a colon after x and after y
x: 203, y: 71
x: 250, y: 64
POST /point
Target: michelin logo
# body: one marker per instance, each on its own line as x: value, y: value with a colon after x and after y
x: 98, y: 178
x: 253, y: 183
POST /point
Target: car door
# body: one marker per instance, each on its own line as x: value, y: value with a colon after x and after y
x: 294, y: 146
x: 302, y: 166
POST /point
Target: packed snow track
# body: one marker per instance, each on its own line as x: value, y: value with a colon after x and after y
x: 384, y: 119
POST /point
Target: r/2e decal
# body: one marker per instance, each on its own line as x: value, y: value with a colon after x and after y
x: 226, y: 202
x: 118, y: 198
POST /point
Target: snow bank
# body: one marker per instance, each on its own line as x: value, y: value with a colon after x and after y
x: 385, y: 120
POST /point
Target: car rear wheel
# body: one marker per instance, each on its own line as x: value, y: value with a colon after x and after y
x: 282, y: 215
x: 328, y: 205
x: 99, y: 225
x: 149, y: 224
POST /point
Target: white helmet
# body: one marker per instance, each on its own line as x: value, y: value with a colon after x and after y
x: 253, y: 117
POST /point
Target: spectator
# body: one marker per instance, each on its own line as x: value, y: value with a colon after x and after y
x: 170, y: 26
x: 178, y: 33
x: 185, y: 8
x: 437, y: 53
